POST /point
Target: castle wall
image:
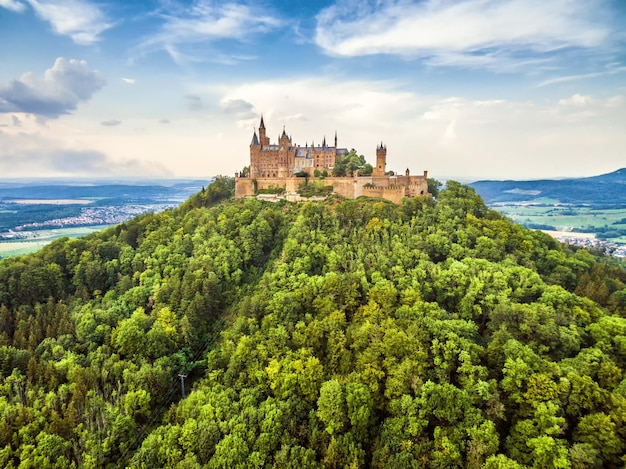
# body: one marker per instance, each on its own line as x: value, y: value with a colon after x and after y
x: 380, y: 181
x: 244, y: 187
x: 394, y: 194
x: 392, y: 189
x: 290, y: 184
x: 415, y: 185
x: 345, y: 187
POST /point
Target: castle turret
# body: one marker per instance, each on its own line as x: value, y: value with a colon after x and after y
x: 381, y: 161
x: 263, y: 139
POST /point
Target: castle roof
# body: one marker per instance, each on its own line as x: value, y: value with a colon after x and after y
x: 262, y: 124
x: 303, y: 153
x: 255, y: 139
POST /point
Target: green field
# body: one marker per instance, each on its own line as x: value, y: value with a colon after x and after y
x: 43, y: 237
x: 567, y: 218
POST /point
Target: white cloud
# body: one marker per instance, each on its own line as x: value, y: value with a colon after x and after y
x: 79, y: 19
x: 583, y: 76
x: 449, y: 135
x: 13, y: 5
x: 465, y: 33
x: 61, y: 89
x: 577, y: 100
x: 206, y: 21
x: 238, y: 107
x: 130, y: 81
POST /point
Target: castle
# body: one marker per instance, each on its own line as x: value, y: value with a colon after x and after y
x: 283, y: 165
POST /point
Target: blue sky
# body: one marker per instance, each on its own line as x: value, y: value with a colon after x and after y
x: 463, y: 88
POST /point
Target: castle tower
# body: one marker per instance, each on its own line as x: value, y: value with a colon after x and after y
x: 381, y: 161
x: 264, y: 139
x: 255, y: 140
x: 255, y: 154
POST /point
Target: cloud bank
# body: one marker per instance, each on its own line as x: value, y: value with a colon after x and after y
x: 31, y: 148
x: 60, y: 91
x: 63, y: 162
x: 465, y: 33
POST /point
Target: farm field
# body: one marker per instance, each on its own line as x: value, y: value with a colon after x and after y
x: 36, y: 212
x: 567, y: 218
x: 42, y: 237
x: 594, y: 204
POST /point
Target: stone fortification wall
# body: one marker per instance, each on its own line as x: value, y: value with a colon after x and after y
x: 394, y: 194
x: 243, y: 187
x: 415, y: 185
x: 289, y: 184
x: 345, y: 187
x: 393, y: 189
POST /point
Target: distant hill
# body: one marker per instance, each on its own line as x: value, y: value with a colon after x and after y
x: 606, y: 190
x: 164, y: 190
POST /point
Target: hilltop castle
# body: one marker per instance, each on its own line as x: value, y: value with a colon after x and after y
x: 279, y: 165
x: 285, y: 159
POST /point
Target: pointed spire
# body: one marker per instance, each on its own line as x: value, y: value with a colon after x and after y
x: 324, y: 142
x: 284, y: 133
x: 335, y: 139
x: 262, y: 124
x: 255, y: 140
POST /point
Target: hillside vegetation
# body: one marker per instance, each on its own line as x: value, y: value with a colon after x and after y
x: 344, y: 333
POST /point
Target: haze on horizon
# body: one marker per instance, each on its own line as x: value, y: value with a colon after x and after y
x: 470, y: 89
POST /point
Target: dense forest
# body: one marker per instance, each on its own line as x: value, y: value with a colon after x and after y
x: 345, y: 333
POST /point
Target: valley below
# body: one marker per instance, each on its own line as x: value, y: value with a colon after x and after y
x: 35, y: 213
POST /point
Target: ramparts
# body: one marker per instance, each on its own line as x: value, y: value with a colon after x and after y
x: 386, y: 187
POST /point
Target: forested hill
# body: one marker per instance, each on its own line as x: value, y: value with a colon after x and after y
x: 344, y: 333
x: 605, y: 190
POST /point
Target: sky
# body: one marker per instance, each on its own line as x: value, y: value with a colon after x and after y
x: 466, y: 89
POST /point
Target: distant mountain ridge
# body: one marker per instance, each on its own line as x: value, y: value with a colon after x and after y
x: 107, y: 190
x: 606, y: 190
